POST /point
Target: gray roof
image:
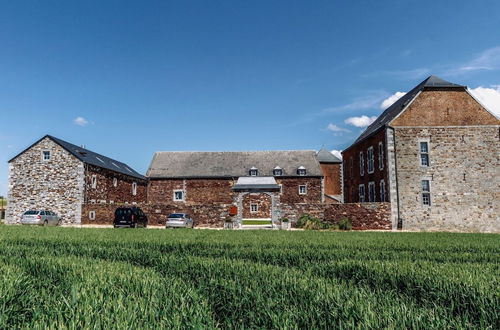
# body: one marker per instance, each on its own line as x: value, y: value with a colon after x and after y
x: 256, y: 183
x: 187, y: 164
x: 90, y: 157
x: 325, y: 156
x: 395, y: 109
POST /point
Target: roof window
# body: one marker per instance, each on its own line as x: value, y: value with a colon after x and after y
x: 253, y: 171
x: 301, y: 170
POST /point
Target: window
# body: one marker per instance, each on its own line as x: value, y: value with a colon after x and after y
x: 380, y: 156
x: 254, y: 208
x: 92, y: 215
x: 361, y: 193
x: 301, y: 170
x: 302, y: 190
x: 253, y: 171
x: 424, y: 154
x: 361, y: 164
x: 178, y: 195
x: 371, y: 160
x: 382, y: 191
x: 46, y: 155
x: 115, y: 182
x: 93, y: 181
x: 426, y: 192
x: 134, y: 188
x: 277, y: 171
x: 371, y: 191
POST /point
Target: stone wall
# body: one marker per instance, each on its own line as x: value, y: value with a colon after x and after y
x: 55, y: 185
x: 464, y: 175
x: 263, y: 203
x: 105, y: 190
x: 364, y: 216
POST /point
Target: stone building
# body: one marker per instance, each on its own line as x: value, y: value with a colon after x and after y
x: 435, y: 156
x: 69, y: 180
x: 264, y: 185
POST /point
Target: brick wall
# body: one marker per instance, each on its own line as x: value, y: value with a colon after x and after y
x: 106, y: 192
x: 290, y: 190
x: 332, y: 178
x: 352, y: 176
x: 364, y: 216
x: 263, y: 203
x: 55, y: 185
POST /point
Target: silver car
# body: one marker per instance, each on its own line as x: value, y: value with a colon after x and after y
x: 179, y: 220
x: 41, y: 218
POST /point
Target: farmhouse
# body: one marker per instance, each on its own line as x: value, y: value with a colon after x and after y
x: 434, y: 155
x: 69, y: 180
x: 264, y: 185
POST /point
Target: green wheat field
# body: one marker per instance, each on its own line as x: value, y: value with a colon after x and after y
x: 139, y: 278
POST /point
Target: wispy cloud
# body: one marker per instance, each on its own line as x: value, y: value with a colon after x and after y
x: 487, y: 60
x: 361, y: 121
x: 401, y: 74
x: 337, y: 129
x: 490, y: 97
x: 80, y: 121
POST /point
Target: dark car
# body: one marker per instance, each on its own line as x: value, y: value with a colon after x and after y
x: 132, y: 217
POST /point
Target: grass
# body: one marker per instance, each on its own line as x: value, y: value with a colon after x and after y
x: 135, y: 278
x: 256, y: 222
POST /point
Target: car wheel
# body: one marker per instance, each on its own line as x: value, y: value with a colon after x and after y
x: 134, y: 225
x: 59, y: 222
x: 46, y: 223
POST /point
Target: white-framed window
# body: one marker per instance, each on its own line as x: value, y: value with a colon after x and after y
x: 426, y: 192
x: 303, y: 189
x: 361, y: 193
x: 254, y: 208
x: 382, y: 191
x: 301, y: 171
x: 424, y: 153
x: 178, y: 195
x: 380, y: 156
x: 134, y: 188
x: 115, y: 182
x: 361, y: 163
x: 91, y: 215
x: 93, y: 181
x: 371, y: 160
x: 277, y: 171
x: 46, y: 155
x: 253, y: 171
x: 371, y: 191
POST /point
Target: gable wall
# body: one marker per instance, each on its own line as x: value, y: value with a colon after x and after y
x: 445, y: 107
x: 55, y: 185
x: 333, y: 178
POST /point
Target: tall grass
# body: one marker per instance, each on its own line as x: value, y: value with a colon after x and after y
x: 109, y: 278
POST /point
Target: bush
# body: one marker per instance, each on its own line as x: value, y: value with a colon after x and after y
x: 345, y: 224
x: 285, y: 220
x: 309, y: 222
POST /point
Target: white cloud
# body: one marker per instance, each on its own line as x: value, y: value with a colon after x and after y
x: 362, y: 121
x: 80, y: 121
x: 337, y: 153
x: 391, y: 99
x: 490, y: 97
x: 336, y: 129
x: 487, y: 60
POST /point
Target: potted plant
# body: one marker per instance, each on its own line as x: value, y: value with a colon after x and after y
x: 285, y: 224
x: 228, y: 223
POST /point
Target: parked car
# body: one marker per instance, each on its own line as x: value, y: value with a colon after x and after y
x: 179, y: 220
x: 41, y: 218
x: 132, y: 217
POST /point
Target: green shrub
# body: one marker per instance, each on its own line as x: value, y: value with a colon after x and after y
x: 285, y: 220
x: 345, y: 224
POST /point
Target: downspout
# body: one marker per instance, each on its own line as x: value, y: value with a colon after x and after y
x: 400, y: 223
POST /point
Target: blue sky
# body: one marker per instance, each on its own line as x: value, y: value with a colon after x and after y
x: 130, y: 78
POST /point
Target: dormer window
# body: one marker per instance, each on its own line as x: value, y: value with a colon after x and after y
x: 253, y: 171
x: 277, y: 171
x: 301, y: 171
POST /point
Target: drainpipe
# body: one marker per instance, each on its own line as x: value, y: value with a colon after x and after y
x: 400, y: 223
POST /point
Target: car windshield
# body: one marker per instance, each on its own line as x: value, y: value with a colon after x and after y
x: 30, y: 212
x: 176, y: 215
x: 120, y: 212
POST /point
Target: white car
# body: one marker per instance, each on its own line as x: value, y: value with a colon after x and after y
x: 41, y: 218
x: 179, y: 220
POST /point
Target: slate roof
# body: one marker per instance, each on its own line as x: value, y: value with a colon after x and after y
x: 395, y: 109
x: 325, y: 156
x: 231, y: 164
x: 90, y: 157
x: 252, y: 182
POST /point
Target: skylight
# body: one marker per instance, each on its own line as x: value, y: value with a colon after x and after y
x: 99, y: 159
x: 115, y: 164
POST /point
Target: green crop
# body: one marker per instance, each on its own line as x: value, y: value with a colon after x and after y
x: 121, y: 278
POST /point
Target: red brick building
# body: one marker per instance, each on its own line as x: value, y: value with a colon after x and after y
x: 265, y: 185
x: 435, y: 156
